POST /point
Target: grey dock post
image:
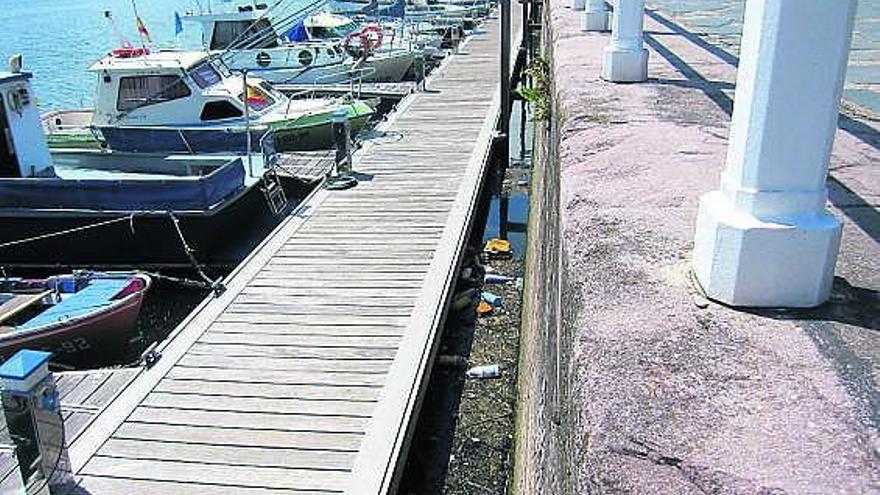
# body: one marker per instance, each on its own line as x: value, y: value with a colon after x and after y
x: 504, y: 130
x: 419, y: 70
x: 341, y: 177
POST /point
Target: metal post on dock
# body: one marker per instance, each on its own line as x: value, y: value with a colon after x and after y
x: 504, y: 128
x: 765, y: 237
x: 247, y: 121
x: 341, y: 176
x: 419, y: 69
x: 626, y: 59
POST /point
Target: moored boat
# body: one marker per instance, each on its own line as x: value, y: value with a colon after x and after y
x: 189, y: 102
x: 281, y: 49
x: 108, y: 208
x: 83, y: 315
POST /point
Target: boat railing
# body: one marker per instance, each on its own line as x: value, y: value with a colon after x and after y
x: 270, y: 155
x: 354, y: 78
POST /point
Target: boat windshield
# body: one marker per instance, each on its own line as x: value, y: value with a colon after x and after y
x: 257, y: 98
x: 333, y: 32
x: 243, y: 34
x: 205, y: 74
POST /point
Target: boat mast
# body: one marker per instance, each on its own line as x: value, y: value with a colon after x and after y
x: 247, y: 121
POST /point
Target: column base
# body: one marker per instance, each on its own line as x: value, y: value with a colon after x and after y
x: 594, y: 21
x: 741, y: 260
x: 578, y: 4
x: 625, y: 66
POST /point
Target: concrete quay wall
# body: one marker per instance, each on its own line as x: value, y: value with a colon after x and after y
x: 631, y: 381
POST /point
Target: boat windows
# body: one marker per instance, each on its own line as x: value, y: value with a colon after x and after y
x: 140, y: 91
x: 257, y: 99
x: 333, y: 32
x: 217, y: 110
x: 243, y: 34
x: 205, y: 75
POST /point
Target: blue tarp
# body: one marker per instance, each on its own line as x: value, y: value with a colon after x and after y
x: 98, y: 294
x: 396, y: 9
x: 297, y: 33
x: 160, y: 194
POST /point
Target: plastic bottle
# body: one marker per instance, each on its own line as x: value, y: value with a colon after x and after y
x: 484, y: 371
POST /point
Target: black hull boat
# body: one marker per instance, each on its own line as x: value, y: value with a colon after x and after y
x: 104, y: 208
x: 136, y: 239
x: 113, y: 210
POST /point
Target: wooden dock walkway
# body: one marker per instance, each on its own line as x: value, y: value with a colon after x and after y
x: 306, y: 375
x: 83, y: 395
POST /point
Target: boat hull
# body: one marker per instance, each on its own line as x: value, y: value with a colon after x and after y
x: 148, y: 240
x: 388, y: 66
x: 310, y: 132
x: 314, y: 132
x: 99, y: 336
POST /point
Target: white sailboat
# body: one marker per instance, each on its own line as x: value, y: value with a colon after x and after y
x: 254, y: 38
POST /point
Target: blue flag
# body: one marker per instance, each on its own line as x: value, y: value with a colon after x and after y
x: 178, y: 24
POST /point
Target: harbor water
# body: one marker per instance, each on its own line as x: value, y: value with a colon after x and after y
x: 60, y: 41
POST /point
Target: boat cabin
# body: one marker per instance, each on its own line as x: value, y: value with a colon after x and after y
x: 246, y: 28
x: 23, y: 149
x: 250, y: 39
x: 174, y: 88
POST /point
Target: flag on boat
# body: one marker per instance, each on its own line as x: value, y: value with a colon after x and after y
x: 255, y: 96
x: 142, y: 29
x: 178, y: 24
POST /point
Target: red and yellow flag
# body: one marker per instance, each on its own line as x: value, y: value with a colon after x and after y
x: 142, y: 29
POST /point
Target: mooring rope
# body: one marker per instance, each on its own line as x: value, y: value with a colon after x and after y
x: 206, y: 282
x: 215, y: 285
x: 73, y: 230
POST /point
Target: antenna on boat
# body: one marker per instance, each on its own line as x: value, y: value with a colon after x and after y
x: 122, y: 39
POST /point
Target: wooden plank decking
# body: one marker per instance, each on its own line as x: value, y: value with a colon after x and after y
x: 83, y: 395
x: 305, y: 375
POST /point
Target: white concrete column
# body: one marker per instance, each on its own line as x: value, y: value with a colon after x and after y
x: 765, y: 239
x: 578, y: 4
x: 595, y: 16
x: 626, y: 59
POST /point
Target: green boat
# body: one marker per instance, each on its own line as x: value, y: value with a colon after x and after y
x: 186, y: 102
x: 313, y: 131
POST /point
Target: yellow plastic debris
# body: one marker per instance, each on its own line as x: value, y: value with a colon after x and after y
x: 497, y: 247
x: 484, y: 308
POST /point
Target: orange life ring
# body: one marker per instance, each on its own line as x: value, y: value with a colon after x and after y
x: 369, y: 38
